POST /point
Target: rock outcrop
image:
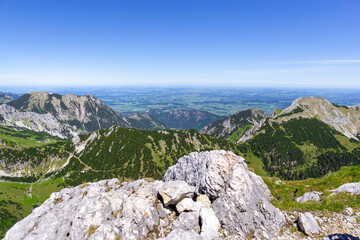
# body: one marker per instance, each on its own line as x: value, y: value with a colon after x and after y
x: 11, y: 117
x: 240, y: 198
x: 353, y: 188
x: 310, y: 196
x: 174, y: 209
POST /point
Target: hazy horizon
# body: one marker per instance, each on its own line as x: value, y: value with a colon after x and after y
x: 254, y: 43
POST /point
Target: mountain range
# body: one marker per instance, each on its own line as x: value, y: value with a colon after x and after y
x: 68, y: 115
x: 67, y: 140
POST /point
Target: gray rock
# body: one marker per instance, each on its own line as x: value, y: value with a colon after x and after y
x: 349, y: 211
x: 185, y: 205
x: 175, y: 191
x: 308, y: 224
x: 350, y: 219
x: 102, y: 210
x: 210, y: 225
x: 188, y: 221
x: 348, y: 187
x: 310, y: 196
x: 240, y: 197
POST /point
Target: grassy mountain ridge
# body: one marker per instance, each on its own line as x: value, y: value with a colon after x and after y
x: 344, y: 119
x: 145, y: 121
x: 133, y: 153
x: 234, y: 126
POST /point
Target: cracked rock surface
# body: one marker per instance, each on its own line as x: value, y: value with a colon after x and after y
x: 240, y: 198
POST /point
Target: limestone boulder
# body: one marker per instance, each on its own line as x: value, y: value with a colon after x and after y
x: 308, y: 224
x: 240, y: 198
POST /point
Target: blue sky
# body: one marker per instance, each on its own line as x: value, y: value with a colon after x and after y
x: 297, y: 43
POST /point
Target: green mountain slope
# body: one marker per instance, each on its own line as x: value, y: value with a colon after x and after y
x: 145, y: 121
x: 132, y: 153
x: 184, y: 119
x: 23, y: 138
x: 234, y: 126
x: 344, y: 119
x: 301, y: 148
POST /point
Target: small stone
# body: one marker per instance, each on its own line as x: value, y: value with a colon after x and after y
x: 279, y: 182
x: 185, y: 205
x: 188, y: 221
x: 204, y: 200
x: 350, y: 219
x: 310, y: 196
x: 175, y: 191
x: 308, y: 224
x: 349, y: 211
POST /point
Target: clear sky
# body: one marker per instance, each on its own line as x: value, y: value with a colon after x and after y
x: 311, y: 43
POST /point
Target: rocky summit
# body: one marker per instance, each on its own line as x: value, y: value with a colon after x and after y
x: 207, y: 195
x: 240, y: 198
x: 344, y: 119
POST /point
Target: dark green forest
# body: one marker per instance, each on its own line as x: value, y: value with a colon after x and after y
x: 300, y: 148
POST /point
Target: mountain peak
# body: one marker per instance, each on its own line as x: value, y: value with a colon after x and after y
x: 87, y: 113
x: 342, y: 118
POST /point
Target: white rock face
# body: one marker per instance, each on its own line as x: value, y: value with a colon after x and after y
x: 308, y: 224
x: 35, y: 122
x: 102, y: 210
x: 240, y: 198
x: 210, y: 224
x: 310, y: 196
